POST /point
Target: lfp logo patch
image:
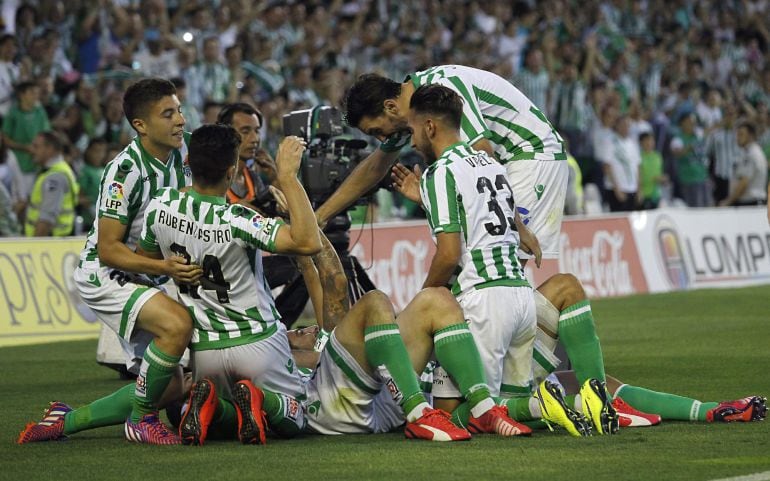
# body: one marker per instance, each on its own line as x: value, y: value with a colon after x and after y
x: 257, y: 221
x: 115, y: 191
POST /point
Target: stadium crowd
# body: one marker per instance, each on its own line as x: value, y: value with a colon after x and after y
x: 659, y: 102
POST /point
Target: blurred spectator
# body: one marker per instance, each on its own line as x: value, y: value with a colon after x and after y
x: 24, y: 121
x: 688, y: 149
x: 620, y: 159
x: 709, y: 110
x: 94, y: 160
x: 51, y: 210
x: 9, y: 225
x: 9, y: 72
x: 215, y: 78
x: 722, y: 152
x: 191, y: 116
x: 210, y: 112
x: 12, y: 180
x: 301, y: 92
x: 750, y: 180
x: 651, y: 175
x: 114, y: 128
x: 533, y: 79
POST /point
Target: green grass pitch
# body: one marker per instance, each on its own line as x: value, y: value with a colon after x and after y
x: 712, y: 345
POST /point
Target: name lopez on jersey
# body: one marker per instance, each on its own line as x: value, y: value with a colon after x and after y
x: 220, y: 236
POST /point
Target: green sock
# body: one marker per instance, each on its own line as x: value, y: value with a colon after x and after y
x: 224, y: 424
x: 456, y: 352
x: 578, y: 335
x: 154, y: 375
x: 385, y: 347
x: 668, y: 406
x: 569, y: 400
x: 107, y: 411
x: 518, y: 409
x: 284, y: 414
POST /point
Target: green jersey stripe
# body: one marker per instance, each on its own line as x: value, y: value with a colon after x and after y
x: 490, y: 98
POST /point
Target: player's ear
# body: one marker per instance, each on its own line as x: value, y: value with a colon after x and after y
x: 139, y: 125
x: 390, y: 107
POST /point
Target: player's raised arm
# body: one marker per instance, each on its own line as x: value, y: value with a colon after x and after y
x: 302, y: 236
x: 366, y: 175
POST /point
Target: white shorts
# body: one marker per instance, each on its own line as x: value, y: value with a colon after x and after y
x: 503, y: 323
x: 267, y: 363
x: 541, y: 208
x: 117, y: 298
x: 342, y: 398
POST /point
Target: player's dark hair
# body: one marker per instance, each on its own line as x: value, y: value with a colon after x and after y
x: 213, y: 149
x: 365, y: 98
x: 439, y: 101
x: 140, y: 96
x: 644, y: 136
x: 53, y: 140
x: 229, y: 110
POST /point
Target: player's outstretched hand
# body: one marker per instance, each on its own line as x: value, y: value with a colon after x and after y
x: 289, y: 155
x: 178, y: 269
x: 529, y: 243
x: 407, y: 182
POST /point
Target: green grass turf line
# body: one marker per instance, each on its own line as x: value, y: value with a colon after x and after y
x: 712, y: 345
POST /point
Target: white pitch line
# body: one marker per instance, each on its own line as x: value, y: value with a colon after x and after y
x: 765, y: 476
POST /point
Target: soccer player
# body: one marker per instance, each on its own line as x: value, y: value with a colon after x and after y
x: 497, y: 119
x: 237, y: 333
x: 154, y: 329
x: 470, y: 210
x: 247, y: 187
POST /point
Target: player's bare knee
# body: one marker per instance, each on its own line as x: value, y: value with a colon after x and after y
x: 572, y: 289
x: 379, y: 309
x: 440, y: 306
x: 176, y: 328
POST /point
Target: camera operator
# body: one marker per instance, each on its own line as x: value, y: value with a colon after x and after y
x: 248, y: 187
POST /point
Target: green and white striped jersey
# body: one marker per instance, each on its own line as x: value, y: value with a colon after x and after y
x: 129, y: 181
x: 466, y: 191
x: 495, y: 109
x: 233, y: 304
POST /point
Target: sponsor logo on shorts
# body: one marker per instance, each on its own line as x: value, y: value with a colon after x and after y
x: 141, y: 386
x: 290, y: 366
x: 394, y: 391
x: 93, y: 279
x: 539, y: 189
x: 292, y: 409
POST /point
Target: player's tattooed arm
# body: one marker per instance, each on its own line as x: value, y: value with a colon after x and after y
x: 336, y: 302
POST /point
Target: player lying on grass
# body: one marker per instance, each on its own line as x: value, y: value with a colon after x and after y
x: 364, y: 381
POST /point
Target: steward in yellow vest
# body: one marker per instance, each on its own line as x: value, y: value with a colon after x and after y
x: 51, y: 210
